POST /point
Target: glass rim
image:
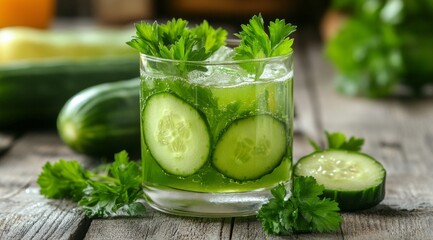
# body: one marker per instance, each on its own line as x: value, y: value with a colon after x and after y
x: 220, y: 62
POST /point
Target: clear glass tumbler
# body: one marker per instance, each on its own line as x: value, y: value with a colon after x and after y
x: 216, y: 135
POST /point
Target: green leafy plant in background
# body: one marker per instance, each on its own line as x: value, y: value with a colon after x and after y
x: 382, y: 44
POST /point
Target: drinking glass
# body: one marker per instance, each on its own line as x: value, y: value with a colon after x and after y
x: 216, y: 135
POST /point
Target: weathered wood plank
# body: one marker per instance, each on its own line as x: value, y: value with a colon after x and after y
x: 306, y: 109
x: 6, y: 142
x: 24, y: 213
x: 159, y: 226
x: 23, y: 163
x: 250, y: 228
x: 388, y: 224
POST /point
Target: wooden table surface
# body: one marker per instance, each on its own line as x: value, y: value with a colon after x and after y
x: 398, y: 132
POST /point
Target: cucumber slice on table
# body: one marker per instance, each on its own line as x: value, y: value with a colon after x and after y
x: 353, y: 179
x: 176, y: 134
x: 250, y: 147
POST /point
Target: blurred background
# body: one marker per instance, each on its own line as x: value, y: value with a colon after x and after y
x: 378, y: 48
x: 389, y: 41
x: 115, y: 12
x: 225, y: 11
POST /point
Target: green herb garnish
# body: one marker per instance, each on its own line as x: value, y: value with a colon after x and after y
x: 306, y: 210
x: 303, y: 211
x: 118, y: 192
x: 337, y: 140
x: 174, y: 40
x: 256, y: 43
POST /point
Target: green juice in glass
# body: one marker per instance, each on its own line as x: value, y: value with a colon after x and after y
x: 212, y: 128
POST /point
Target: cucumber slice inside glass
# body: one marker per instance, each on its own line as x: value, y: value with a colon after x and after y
x: 355, y: 180
x: 250, y: 148
x: 176, y: 134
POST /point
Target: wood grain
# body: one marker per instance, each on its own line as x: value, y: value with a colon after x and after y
x: 6, y: 142
x: 250, y: 228
x: 385, y: 223
x: 306, y: 107
x: 160, y: 226
x: 24, y: 213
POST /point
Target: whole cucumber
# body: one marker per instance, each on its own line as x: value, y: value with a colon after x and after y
x: 103, y: 119
x: 32, y: 94
x: 30, y: 44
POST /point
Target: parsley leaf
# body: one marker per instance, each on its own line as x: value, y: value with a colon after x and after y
x: 63, y: 179
x: 304, y: 211
x: 256, y: 43
x: 208, y: 39
x: 337, y: 140
x: 316, y: 214
x: 117, y: 192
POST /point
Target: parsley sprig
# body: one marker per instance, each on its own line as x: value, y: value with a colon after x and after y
x: 175, y: 40
x: 117, y: 192
x: 303, y: 211
x: 256, y: 43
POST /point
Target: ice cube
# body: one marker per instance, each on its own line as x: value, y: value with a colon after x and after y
x: 275, y: 72
x: 222, y: 54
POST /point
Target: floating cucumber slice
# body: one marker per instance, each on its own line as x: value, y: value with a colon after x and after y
x: 355, y: 180
x: 250, y: 147
x: 176, y: 134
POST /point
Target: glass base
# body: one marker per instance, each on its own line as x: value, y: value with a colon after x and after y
x: 202, y: 204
